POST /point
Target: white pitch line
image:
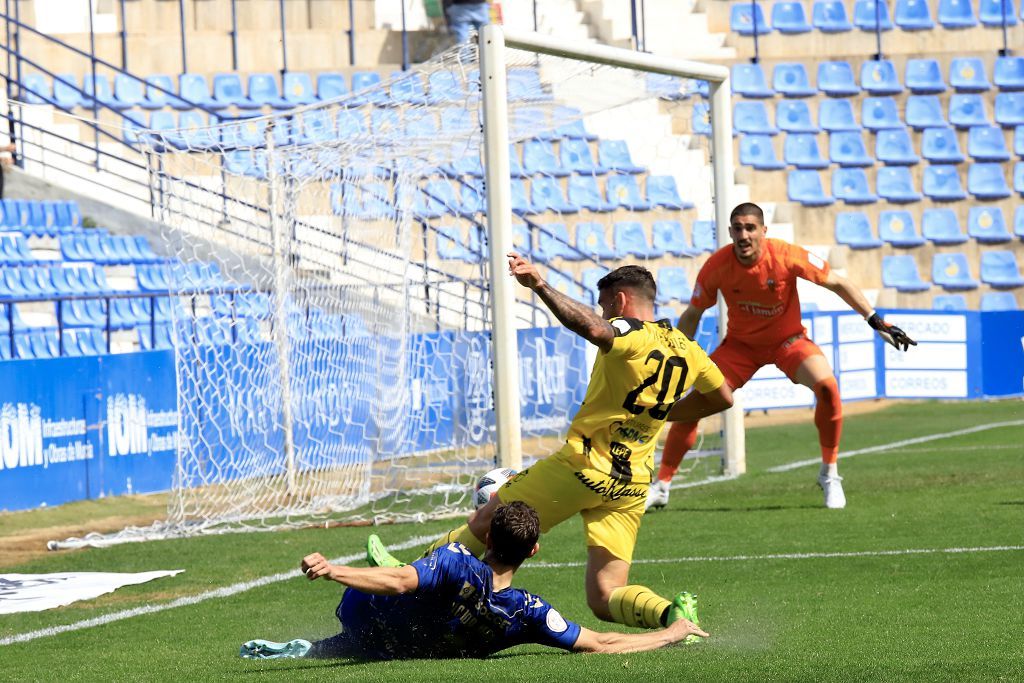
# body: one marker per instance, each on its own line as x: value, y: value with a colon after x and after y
x: 792, y: 556
x: 898, y: 444
x: 225, y: 592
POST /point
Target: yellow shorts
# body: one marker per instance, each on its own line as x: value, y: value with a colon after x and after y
x: 563, y: 484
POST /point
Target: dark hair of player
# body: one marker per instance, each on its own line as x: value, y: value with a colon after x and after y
x: 515, y: 529
x: 637, y: 278
x: 748, y: 209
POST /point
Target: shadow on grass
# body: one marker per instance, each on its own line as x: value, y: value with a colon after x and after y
x: 1010, y: 502
x: 282, y: 669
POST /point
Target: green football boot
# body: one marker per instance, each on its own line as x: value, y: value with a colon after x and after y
x: 684, y: 606
x: 268, y: 649
x: 378, y: 556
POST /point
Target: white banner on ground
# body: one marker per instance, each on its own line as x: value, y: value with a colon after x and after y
x: 38, y: 592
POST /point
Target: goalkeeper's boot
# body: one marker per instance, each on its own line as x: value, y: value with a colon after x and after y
x: 684, y: 606
x: 835, y: 499
x: 268, y: 649
x: 657, y: 495
x: 378, y: 556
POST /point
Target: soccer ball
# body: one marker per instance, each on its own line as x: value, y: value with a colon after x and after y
x: 488, y: 485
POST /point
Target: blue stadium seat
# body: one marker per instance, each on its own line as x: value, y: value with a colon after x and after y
x: 546, y: 195
x: 949, y: 302
x: 924, y: 111
x: 569, y: 122
x: 942, y: 183
x: 421, y: 123
x: 851, y: 186
x: 987, y: 225
x: 524, y: 84
x: 614, y: 155
x: 997, y: 12
x: 624, y: 192
x: 1000, y: 269
x: 986, y: 143
x: 854, y: 230
x: 789, y: 17
x: 896, y: 184
x: 952, y: 272
x: 451, y: 245
x: 879, y: 113
x: 835, y: 79
x: 522, y: 239
x: 913, y: 15
x: 846, y: 148
x: 590, y: 277
x: 436, y: 199
x: 924, y: 77
x: 515, y: 164
x: 748, y: 80
x: 665, y: 87
x: 742, y: 19
x: 704, y: 236
x: 669, y: 237
x: 566, y: 285
x: 998, y: 301
x: 1008, y: 73
x: 129, y: 91
x: 894, y: 147
x: 790, y: 80
x: 365, y: 89
x: 584, y: 192
x: 878, y: 77
x: 592, y: 241
x: 1018, y: 222
x: 829, y: 16
x: 100, y: 88
x: 941, y: 146
x: 673, y: 285
x: 1018, y: 178
x: 575, y: 156
x: 195, y: 89
x: 966, y: 110
x: 794, y: 116
x: 539, y: 158
x: 35, y: 89
x: 837, y: 115
x: 1018, y: 141
x: 898, y: 229
x: 801, y: 150
x: 900, y: 272
x: 967, y: 74
x: 227, y: 92
x: 66, y: 93
x: 407, y: 88
x: 661, y: 190
x: 297, y: 88
x: 1010, y: 109
x: 331, y: 85
x: 987, y: 181
x: 942, y: 227
x: 805, y: 187
x: 956, y: 14
x: 446, y: 87
x: 553, y: 242
x: 757, y: 151
x: 521, y: 203
x: 631, y: 240
x: 868, y: 17
x: 752, y: 117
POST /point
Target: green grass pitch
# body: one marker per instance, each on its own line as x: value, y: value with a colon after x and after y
x: 790, y: 591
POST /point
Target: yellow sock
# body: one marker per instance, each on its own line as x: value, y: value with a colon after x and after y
x: 461, y: 535
x: 638, y: 606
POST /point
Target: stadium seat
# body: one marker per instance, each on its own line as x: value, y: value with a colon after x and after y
x: 942, y: 183
x: 987, y: 181
x: 623, y: 191
x: 758, y: 151
x: 871, y: 15
x: 575, y: 155
x: 942, y: 227
x: 986, y: 143
x: 1010, y: 109
x: 987, y: 225
x: 129, y: 91
x: 878, y: 77
x: 805, y: 187
x: 949, y: 302
x: 835, y: 79
x: 924, y: 111
x: 837, y: 115
x: 854, y: 230
x: 924, y: 77
x: 614, y: 155
x: 789, y: 17
x: 331, y: 85
x: 521, y: 204
x: 956, y: 14
x: 195, y: 90
x: 997, y: 12
x: 998, y: 301
x: 894, y: 147
x: 553, y: 242
x: 590, y: 277
x: 879, y: 113
x: 436, y: 199
x: 1018, y: 222
x: 673, y: 285
x: 515, y: 164
x: 539, y: 158
x: 445, y: 86
x: 829, y: 16
x: 407, y: 88
x: 66, y: 94
x: 365, y: 90
x: 661, y: 190
x: 584, y: 192
x: 748, y: 80
x: 665, y: 87
x: 227, y: 92
x: 801, y: 150
x: 669, y: 237
x: 941, y: 146
x: 631, y: 240
x: 35, y: 89
x: 900, y: 272
x: 1008, y: 73
x: 704, y: 236
x: 1018, y: 178
x: 1018, y: 141
x: 297, y: 88
x: 966, y: 110
x: 846, y: 148
x: 745, y: 20
x: 913, y: 15
x: 592, y: 241
x: 967, y: 74
x: 898, y: 229
x: 794, y: 116
x: 790, y: 80
x: 569, y: 124
x: 99, y: 86
x: 952, y: 272
x: 451, y: 245
x: 524, y: 84
x: 385, y: 120
x: 896, y: 184
x: 546, y: 195
x: 752, y: 118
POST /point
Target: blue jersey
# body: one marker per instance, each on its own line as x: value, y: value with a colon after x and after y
x: 455, y: 612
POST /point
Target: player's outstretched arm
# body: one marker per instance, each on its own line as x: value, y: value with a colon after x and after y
x: 577, y: 317
x: 374, y: 580
x: 696, y: 405
x: 617, y: 643
x: 849, y: 293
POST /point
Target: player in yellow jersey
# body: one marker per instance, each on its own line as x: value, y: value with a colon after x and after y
x: 603, y: 471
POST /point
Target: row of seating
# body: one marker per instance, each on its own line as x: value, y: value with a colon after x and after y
x: 108, y: 249
x: 43, y: 282
x: 182, y: 276
x: 47, y: 343
x: 952, y: 272
x: 877, y: 77
x: 122, y: 313
x: 40, y: 217
x: 830, y: 16
x: 895, y: 184
x: 985, y: 224
x: 990, y: 301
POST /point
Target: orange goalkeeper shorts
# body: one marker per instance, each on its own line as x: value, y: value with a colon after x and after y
x: 739, y: 361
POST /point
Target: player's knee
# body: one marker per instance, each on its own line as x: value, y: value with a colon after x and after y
x: 827, y: 391
x: 597, y: 601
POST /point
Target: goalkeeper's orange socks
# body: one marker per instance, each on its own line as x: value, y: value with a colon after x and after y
x: 680, y: 439
x: 638, y: 606
x: 828, y: 418
x: 461, y: 535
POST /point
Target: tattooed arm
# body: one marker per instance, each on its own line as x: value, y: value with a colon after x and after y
x: 577, y: 317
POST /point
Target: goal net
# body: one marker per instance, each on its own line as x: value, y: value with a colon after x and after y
x: 331, y: 311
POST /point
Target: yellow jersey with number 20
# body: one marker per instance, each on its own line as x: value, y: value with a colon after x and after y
x: 650, y: 366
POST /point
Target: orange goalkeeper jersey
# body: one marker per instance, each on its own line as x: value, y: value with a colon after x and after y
x: 761, y: 298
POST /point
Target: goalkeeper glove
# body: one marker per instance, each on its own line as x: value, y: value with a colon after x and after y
x: 890, y: 333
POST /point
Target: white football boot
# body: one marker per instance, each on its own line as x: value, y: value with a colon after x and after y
x: 657, y: 496
x: 835, y: 499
